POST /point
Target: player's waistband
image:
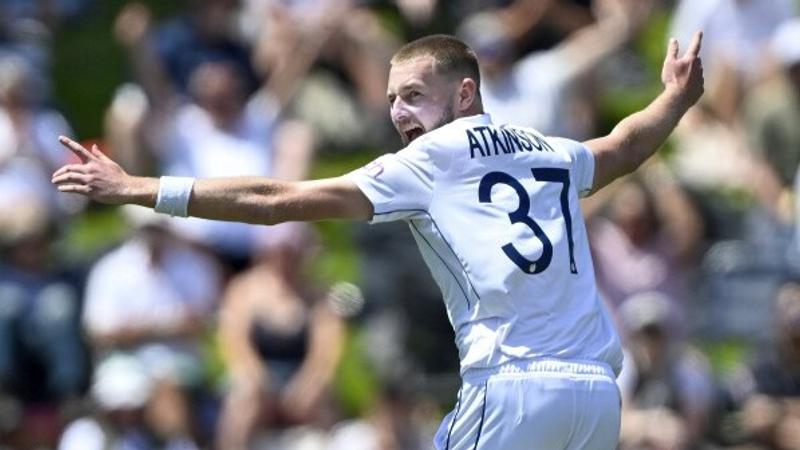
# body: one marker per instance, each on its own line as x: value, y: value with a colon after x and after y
x: 543, y: 366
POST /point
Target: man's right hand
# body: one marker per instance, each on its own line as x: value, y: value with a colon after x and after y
x: 640, y: 134
x: 101, y: 179
x: 684, y: 76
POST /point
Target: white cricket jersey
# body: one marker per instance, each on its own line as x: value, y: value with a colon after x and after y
x: 495, y: 213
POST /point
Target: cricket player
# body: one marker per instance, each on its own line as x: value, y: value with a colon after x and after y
x: 494, y: 210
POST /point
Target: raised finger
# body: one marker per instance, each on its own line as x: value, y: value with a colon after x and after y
x: 694, y: 46
x: 672, y: 49
x: 76, y: 148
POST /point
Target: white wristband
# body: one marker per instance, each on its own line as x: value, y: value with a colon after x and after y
x: 173, y: 196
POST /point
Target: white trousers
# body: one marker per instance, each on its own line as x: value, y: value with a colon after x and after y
x: 535, y: 405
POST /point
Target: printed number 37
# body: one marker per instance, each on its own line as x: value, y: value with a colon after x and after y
x: 521, y: 215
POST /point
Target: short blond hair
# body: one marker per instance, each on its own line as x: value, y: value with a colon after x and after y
x: 451, y: 55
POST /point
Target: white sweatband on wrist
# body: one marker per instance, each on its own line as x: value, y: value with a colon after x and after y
x: 173, y: 196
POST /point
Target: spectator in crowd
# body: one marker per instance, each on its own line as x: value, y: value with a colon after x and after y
x: 327, y: 61
x: 541, y: 90
x: 43, y: 363
x: 206, y: 32
x: 121, y: 392
x: 735, y: 153
x: 26, y: 130
x: 716, y: 157
x: 737, y: 34
x: 26, y: 124
x: 767, y: 391
x: 667, y: 389
x: 281, y: 341
x: 772, y: 111
x: 152, y: 298
x: 220, y: 131
x: 729, y: 182
x: 646, y: 242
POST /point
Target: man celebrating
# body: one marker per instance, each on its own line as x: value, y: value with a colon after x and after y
x: 494, y: 210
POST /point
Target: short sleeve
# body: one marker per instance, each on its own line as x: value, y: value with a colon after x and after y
x: 399, y: 185
x: 582, y: 172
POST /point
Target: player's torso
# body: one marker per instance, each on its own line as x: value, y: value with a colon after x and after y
x: 507, y: 206
x: 506, y: 240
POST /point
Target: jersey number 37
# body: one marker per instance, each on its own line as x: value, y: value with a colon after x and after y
x: 521, y: 215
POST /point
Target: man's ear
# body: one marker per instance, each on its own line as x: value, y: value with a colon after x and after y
x: 467, y: 94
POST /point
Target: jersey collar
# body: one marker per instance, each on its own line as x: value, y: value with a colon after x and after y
x: 480, y: 119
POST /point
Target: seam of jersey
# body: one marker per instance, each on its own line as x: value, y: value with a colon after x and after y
x: 449, y: 269
x: 455, y: 417
x: 452, y: 250
x: 466, y: 272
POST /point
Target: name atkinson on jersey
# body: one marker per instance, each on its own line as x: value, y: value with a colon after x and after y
x: 489, y: 141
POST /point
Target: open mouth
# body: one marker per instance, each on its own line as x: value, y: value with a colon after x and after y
x: 413, y: 133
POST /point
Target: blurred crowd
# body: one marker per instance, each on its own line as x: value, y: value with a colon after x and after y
x: 189, y: 334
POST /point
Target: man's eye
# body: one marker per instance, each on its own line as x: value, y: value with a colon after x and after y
x: 414, y: 94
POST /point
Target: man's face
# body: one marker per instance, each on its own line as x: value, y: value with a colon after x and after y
x: 419, y: 99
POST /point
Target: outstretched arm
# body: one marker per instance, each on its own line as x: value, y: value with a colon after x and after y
x: 639, y: 135
x: 241, y: 199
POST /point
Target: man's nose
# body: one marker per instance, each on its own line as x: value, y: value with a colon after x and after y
x: 399, y: 111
